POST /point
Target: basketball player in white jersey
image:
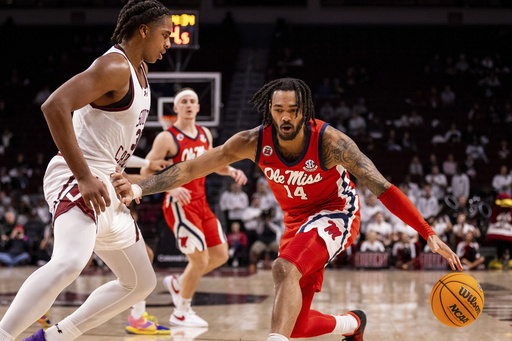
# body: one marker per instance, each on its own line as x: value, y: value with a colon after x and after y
x: 110, y: 101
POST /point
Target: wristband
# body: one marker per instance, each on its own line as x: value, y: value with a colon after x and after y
x: 137, y: 191
x: 400, y: 205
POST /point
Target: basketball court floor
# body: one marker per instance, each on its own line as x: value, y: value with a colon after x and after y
x: 238, y: 305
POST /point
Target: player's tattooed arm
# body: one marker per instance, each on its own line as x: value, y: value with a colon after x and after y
x: 339, y: 149
x: 166, y: 179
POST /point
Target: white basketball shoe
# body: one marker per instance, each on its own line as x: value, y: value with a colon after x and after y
x: 187, y: 318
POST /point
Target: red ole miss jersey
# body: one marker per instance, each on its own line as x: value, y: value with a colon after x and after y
x: 189, y: 148
x: 304, y: 187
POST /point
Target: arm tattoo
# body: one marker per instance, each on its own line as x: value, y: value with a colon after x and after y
x: 161, y: 181
x: 346, y: 153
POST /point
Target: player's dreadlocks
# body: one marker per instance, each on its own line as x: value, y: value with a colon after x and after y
x: 136, y: 13
x: 261, y: 99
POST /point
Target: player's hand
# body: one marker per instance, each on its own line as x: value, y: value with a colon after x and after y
x: 438, y: 246
x: 181, y: 195
x: 158, y: 165
x: 95, y: 193
x: 238, y: 176
x: 123, y: 188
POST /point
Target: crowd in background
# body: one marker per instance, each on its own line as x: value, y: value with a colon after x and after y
x: 437, y: 127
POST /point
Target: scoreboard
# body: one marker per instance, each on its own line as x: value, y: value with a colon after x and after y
x: 185, y: 29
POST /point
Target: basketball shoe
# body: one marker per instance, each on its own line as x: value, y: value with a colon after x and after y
x: 187, y: 318
x: 146, y: 325
x: 172, y: 284
x: 358, y: 334
x: 39, y: 336
x: 45, y: 320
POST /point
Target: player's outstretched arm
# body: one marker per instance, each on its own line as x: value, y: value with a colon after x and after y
x: 240, y: 146
x: 339, y: 149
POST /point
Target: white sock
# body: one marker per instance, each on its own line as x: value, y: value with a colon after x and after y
x: 184, y: 304
x: 4, y: 336
x: 62, y: 331
x: 138, y: 309
x: 345, y: 324
x: 276, y: 337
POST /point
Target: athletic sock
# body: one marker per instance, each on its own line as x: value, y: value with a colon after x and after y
x: 276, y: 337
x: 345, y: 324
x: 184, y: 304
x: 4, y: 336
x: 62, y: 331
x: 138, y: 309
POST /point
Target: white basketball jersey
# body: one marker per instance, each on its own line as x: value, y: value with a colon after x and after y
x: 108, y: 136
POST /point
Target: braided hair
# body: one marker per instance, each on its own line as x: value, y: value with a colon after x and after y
x: 261, y: 99
x: 136, y: 13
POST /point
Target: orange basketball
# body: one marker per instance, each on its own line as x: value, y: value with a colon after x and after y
x: 457, y: 300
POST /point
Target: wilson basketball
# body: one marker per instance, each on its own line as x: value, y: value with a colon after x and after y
x: 457, y: 300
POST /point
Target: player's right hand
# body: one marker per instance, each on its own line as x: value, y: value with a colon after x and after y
x: 95, y: 193
x: 181, y: 195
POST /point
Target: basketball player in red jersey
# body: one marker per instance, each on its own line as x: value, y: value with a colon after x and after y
x: 307, y: 164
x: 198, y: 233
x: 110, y: 102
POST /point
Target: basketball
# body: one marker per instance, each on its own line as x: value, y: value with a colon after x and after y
x: 457, y: 300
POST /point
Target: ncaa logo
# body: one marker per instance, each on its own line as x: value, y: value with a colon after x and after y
x: 267, y: 151
x: 180, y: 137
x: 310, y: 166
x: 202, y: 138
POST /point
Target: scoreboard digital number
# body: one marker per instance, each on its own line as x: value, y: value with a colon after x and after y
x: 185, y: 28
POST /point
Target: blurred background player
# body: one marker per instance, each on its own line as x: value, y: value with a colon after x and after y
x: 198, y: 233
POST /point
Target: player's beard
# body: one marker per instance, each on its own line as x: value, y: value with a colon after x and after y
x: 291, y: 135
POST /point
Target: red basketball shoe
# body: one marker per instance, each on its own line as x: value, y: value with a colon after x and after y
x: 358, y: 335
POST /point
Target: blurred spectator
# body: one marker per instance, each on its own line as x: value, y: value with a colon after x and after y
x: 468, y: 251
x: 326, y: 111
x: 369, y: 207
x: 252, y: 219
x: 442, y: 226
x: 460, y: 184
x: 325, y: 90
x: 415, y: 120
x: 237, y: 243
x: 502, y: 182
x: 372, y: 243
x: 438, y: 181
x: 44, y: 253
x: 447, y: 97
x: 392, y: 143
x: 267, y: 242
x: 453, y: 135
x: 461, y: 228
x: 449, y: 165
x: 476, y: 151
x: 267, y: 198
x: 427, y: 203
x: 7, y: 224
x: 408, y: 143
x: 432, y: 161
x: 360, y: 107
x: 16, y: 249
x: 233, y: 202
x: 416, y: 168
x: 356, y: 126
x: 504, y: 151
x: 383, y: 229
x: 462, y: 65
x: 404, y: 253
x: 342, y: 110
x: 469, y: 166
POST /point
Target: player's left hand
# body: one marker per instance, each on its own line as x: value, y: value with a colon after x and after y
x: 123, y: 188
x: 239, y: 176
x: 438, y: 246
x: 158, y: 165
